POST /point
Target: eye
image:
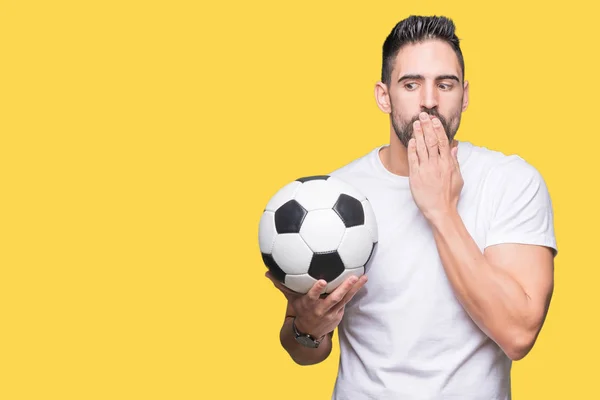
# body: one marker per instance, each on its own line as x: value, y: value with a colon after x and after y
x: 411, y: 86
x: 445, y: 86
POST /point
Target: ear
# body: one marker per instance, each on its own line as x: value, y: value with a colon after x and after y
x: 382, y: 97
x: 465, y: 96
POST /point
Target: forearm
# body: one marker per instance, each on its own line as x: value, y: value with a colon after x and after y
x: 300, y: 354
x: 493, y: 299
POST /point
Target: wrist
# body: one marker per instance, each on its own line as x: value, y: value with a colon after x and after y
x: 303, y: 329
x: 439, y: 218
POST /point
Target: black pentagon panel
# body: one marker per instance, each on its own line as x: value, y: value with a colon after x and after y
x: 313, y: 178
x: 289, y: 217
x: 350, y: 210
x: 273, y: 267
x: 326, y: 266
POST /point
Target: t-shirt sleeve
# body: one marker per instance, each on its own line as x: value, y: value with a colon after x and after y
x: 521, y: 209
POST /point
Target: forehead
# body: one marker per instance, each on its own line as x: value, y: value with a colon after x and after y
x: 430, y: 58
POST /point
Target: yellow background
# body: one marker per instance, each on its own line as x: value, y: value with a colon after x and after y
x: 140, y: 141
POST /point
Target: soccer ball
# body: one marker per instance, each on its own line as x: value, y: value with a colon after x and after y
x: 317, y: 227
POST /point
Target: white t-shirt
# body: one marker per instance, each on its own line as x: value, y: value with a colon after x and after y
x: 405, y: 335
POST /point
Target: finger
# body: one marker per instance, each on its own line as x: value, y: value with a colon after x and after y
x: 348, y: 296
x: 269, y: 275
x: 431, y: 140
x: 413, y: 159
x: 454, y: 153
x: 442, y: 138
x: 420, y: 143
x: 316, y: 290
x: 279, y: 285
x: 338, y: 294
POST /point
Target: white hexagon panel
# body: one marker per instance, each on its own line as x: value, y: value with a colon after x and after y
x: 282, y: 196
x: 370, y: 220
x: 356, y: 247
x: 317, y: 194
x: 292, y: 254
x: 322, y: 230
x: 267, y: 232
x: 331, y: 286
x: 299, y: 283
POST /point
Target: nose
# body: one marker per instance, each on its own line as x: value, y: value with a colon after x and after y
x: 429, y: 97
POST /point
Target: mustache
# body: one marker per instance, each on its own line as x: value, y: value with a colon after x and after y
x: 431, y: 113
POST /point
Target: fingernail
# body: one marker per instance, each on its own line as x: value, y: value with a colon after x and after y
x: 423, y: 116
x: 417, y: 125
x: 353, y: 279
x: 436, y: 122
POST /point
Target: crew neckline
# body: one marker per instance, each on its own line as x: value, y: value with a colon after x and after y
x: 464, y: 151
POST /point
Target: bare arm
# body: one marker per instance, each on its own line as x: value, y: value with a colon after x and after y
x: 315, y: 315
x: 506, y: 290
x: 300, y: 354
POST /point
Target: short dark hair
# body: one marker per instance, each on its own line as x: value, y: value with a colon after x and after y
x: 417, y: 29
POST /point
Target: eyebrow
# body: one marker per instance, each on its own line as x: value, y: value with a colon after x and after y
x: 421, y: 77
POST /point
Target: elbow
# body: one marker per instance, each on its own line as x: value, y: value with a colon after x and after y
x: 519, y: 345
x: 516, y: 353
x: 304, y: 360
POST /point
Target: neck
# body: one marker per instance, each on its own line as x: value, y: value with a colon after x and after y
x: 395, y: 156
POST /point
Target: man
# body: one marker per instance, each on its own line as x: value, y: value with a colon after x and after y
x: 462, y: 277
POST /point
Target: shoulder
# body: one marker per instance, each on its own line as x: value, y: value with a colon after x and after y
x: 363, y: 173
x: 361, y: 166
x: 512, y: 188
x: 516, y: 199
x: 499, y: 169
